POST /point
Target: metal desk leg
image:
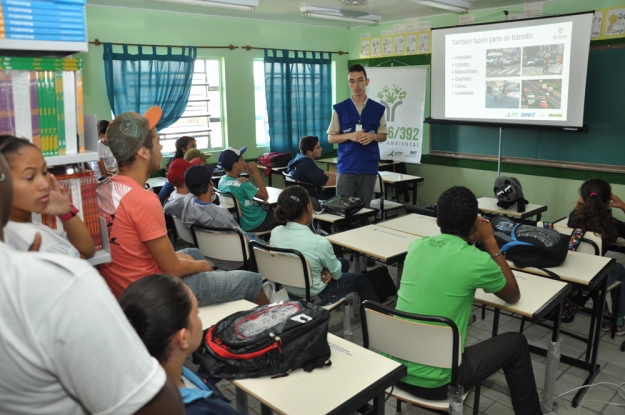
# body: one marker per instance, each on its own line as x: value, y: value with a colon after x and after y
x: 241, y: 401
x: 378, y: 403
x: 594, y: 367
x: 496, y: 322
x: 414, y: 193
x: 400, y: 270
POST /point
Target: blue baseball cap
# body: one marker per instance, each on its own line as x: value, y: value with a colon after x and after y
x: 229, y: 156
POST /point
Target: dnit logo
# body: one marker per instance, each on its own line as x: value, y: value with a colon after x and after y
x: 528, y: 114
x: 413, y: 153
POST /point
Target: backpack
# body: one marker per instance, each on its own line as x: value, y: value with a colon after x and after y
x: 270, y: 340
x: 275, y: 159
x: 530, y: 246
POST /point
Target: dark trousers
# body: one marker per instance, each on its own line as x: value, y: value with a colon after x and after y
x: 507, y: 351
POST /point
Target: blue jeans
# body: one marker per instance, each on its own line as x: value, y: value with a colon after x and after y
x: 348, y: 283
x: 218, y: 286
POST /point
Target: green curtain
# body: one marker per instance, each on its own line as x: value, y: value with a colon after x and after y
x: 136, y: 82
x: 298, y: 89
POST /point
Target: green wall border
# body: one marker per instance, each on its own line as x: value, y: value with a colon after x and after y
x: 544, y: 171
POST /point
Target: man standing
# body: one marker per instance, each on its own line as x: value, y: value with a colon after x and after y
x: 357, y: 126
x: 136, y: 223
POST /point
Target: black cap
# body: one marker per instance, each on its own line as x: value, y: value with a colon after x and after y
x: 198, y: 177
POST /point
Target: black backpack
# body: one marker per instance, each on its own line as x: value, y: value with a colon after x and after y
x: 270, y: 340
x: 530, y: 246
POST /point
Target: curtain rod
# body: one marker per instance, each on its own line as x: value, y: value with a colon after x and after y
x: 97, y: 42
x: 248, y: 47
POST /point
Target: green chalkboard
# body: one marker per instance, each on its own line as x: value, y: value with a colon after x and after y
x: 604, y: 113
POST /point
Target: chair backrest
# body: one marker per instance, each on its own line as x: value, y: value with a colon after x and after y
x: 231, y: 203
x: 378, y: 187
x: 225, y: 244
x: 398, y: 334
x: 182, y: 230
x: 284, y: 266
x: 288, y: 179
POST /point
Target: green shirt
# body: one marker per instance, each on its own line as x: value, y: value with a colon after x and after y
x: 252, y: 215
x: 441, y: 274
x: 316, y: 249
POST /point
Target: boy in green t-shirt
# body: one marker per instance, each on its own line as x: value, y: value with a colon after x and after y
x: 441, y: 274
x: 253, y: 217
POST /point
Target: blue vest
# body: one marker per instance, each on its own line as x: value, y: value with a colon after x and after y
x: 355, y: 158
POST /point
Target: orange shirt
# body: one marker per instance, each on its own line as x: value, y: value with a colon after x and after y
x: 134, y: 216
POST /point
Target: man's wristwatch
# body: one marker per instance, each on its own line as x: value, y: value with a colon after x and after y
x: 69, y: 215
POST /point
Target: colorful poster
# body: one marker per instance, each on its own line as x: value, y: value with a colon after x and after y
x: 375, y: 47
x: 615, y: 22
x: 402, y: 92
x: 398, y: 45
x: 411, y: 44
x: 365, y: 48
x: 387, y: 46
x: 596, y: 24
x: 424, y: 43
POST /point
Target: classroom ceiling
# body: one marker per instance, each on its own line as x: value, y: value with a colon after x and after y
x: 289, y: 10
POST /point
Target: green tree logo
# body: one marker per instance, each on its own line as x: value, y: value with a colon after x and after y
x: 391, y: 98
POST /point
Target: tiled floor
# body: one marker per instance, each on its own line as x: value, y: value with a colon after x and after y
x: 495, y: 399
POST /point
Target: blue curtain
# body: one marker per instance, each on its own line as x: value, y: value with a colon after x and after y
x: 135, y: 82
x: 298, y: 89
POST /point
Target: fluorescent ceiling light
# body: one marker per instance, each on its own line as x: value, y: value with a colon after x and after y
x: 458, y: 6
x: 230, y: 4
x: 341, y: 15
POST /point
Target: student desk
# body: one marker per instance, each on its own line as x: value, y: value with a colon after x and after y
x: 273, y: 170
x: 591, y: 271
x: 489, y: 205
x: 329, y: 390
x: 272, y: 201
x: 157, y: 183
x: 335, y: 220
x: 391, y: 179
x: 414, y: 224
x: 331, y: 163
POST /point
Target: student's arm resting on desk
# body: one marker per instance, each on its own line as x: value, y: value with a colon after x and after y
x: 323, y: 249
x: 484, y: 233
x: 331, y: 178
x: 172, y: 263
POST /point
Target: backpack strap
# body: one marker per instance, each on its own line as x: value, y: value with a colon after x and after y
x: 576, y: 238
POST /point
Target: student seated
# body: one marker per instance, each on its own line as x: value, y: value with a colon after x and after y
x: 197, y: 208
x: 106, y: 165
x: 136, y: 224
x: 329, y: 283
x: 304, y: 169
x: 441, y: 274
x: 193, y: 154
x: 37, y: 191
x: 593, y: 213
x: 253, y: 217
x: 165, y: 314
x: 183, y: 144
x: 175, y: 176
x: 66, y: 346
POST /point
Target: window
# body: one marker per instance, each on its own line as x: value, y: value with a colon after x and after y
x: 202, y: 117
x: 260, y: 104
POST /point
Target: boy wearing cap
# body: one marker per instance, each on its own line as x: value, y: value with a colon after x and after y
x: 197, y: 207
x: 253, y: 217
x: 194, y: 153
x: 136, y: 224
x: 175, y: 176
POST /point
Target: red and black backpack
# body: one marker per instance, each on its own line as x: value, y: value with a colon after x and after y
x: 265, y: 341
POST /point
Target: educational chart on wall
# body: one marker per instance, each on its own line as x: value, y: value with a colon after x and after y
x: 402, y: 92
x: 414, y: 43
x: 519, y: 72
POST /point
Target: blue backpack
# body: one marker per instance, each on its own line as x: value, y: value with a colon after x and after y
x: 530, y: 246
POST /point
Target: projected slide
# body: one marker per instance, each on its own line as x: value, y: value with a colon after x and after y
x: 510, y: 73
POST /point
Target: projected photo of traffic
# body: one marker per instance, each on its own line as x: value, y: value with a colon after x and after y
x: 502, y: 94
x: 543, y: 60
x: 541, y: 93
x: 503, y: 62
